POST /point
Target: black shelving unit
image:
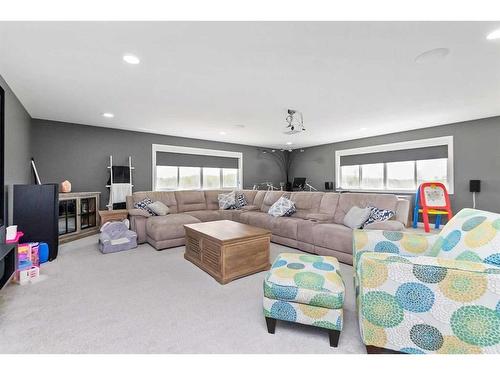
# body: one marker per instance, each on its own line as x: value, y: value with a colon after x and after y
x: 67, y: 216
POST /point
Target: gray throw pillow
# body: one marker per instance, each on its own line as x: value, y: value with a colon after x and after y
x: 159, y: 208
x: 356, y: 217
x: 227, y: 201
x: 282, y: 207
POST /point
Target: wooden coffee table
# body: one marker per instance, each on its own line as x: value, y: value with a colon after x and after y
x: 227, y: 250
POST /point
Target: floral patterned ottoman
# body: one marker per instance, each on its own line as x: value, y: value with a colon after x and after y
x: 306, y: 289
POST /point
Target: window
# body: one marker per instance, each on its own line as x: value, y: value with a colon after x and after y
x: 372, y: 176
x: 190, y: 168
x: 401, y: 175
x: 396, y: 167
x: 189, y: 178
x: 350, y: 176
x: 394, y: 176
x: 229, y: 177
x: 211, y: 178
x: 166, y: 178
x: 432, y: 170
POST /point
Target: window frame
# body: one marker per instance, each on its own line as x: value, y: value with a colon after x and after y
x: 155, y: 148
x: 420, y: 143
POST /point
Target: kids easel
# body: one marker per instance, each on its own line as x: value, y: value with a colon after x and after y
x: 431, y: 198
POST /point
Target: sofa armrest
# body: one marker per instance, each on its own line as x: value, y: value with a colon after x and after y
x: 394, y: 242
x: 138, y: 225
x: 402, y: 211
x: 392, y: 225
x: 138, y: 212
x: 324, y: 218
x: 428, y: 304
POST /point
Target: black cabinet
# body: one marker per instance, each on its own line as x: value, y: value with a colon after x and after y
x: 67, y: 216
x: 36, y: 213
x: 78, y: 215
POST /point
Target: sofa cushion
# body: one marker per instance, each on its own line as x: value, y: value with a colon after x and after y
x: 211, y: 197
x: 166, y: 197
x: 328, y: 205
x: 205, y: 215
x: 307, y: 279
x: 250, y: 195
x: 259, y: 198
x: 348, y: 200
x: 306, y: 203
x: 257, y: 219
x: 286, y: 227
x: 167, y: 227
x: 305, y: 231
x: 333, y: 236
x: 190, y: 200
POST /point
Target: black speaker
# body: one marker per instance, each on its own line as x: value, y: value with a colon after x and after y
x: 36, y: 213
x: 329, y: 185
x: 475, y: 186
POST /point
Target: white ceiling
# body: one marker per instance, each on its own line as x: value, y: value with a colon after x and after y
x: 197, y: 79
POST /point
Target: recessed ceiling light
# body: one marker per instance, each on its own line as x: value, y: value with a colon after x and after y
x: 131, y: 59
x: 493, y: 35
x: 222, y: 133
x: 289, y: 143
x: 108, y: 115
x: 363, y: 129
x: 432, y: 55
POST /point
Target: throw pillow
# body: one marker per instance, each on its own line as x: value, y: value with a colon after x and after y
x: 282, y: 207
x: 356, y: 217
x: 143, y: 205
x: 158, y: 208
x: 227, y: 201
x: 378, y: 214
x: 241, y: 200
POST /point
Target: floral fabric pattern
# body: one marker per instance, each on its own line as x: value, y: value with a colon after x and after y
x: 412, y: 301
x: 306, y: 289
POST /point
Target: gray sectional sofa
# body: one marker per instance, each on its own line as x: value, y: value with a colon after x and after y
x: 317, y: 226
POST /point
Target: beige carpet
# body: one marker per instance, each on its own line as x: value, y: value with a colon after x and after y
x: 148, y: 301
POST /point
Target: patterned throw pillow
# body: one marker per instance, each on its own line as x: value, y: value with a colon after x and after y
x: 159, y: 208
x: 143, y: 205
x: 241, y: 200
x: 377, y: 214
x: 282, y: 207
x: 227, y: 201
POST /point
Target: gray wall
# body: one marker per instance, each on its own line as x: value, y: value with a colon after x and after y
x: 476, y: 156
x: 17, y: 144
x: 80, y: 154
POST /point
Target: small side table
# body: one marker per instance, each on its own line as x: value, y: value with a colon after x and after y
x: 112, y: 215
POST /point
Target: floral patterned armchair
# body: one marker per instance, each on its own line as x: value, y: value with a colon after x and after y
x: 419, y: 293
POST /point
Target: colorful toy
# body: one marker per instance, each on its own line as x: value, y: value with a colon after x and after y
x: 28, y: 266
x: 43, y: 251
x: 431, y: 198
x: 28, y: 275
